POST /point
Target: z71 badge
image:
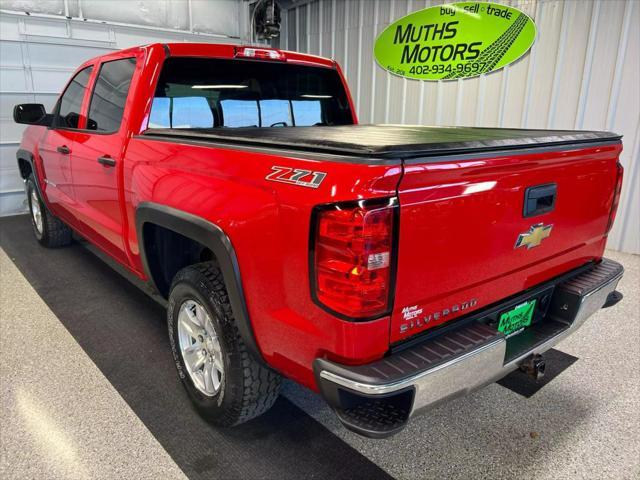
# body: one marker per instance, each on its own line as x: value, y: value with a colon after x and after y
x: 296, y: 176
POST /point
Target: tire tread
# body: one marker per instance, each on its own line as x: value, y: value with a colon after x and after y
x: 261, y: 385
x: 55, y: 233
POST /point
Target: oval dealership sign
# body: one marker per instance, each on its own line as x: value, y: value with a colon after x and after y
x: 456, y: 40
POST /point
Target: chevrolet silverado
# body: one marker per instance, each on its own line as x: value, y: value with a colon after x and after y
x: 387, y: 267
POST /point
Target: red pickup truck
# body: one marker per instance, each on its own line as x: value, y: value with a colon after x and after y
x: 386, y: 267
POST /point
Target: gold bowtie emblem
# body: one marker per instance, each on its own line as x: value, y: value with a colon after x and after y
x: 534, y: 236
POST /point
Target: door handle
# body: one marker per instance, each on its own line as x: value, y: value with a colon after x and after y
x: 63, y: 149
x: 107, y: 161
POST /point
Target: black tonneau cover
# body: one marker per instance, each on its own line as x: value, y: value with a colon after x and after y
x: 388, y: 141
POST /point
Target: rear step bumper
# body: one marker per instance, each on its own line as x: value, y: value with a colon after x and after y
x: 377, y: 399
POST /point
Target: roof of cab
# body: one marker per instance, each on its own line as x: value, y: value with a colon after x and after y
x: 214, y: 50
x: 228, y: 50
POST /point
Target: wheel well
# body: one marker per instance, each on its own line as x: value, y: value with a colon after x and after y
x: 25, y: 168
x: 168, y: 252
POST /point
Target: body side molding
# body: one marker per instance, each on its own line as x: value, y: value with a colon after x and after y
x: 216, y: 240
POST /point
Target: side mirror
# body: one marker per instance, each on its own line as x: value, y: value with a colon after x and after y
x: 31, y: 114
x: 71, y: 120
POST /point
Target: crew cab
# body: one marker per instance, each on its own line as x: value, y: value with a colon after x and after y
x: 387, y: 267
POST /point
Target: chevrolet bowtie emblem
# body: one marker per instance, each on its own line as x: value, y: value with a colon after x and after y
x: 534, y: 236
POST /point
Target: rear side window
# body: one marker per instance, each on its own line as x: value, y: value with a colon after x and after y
x: 71, y: 100
x: 213, y: 93
x: 110, y: 95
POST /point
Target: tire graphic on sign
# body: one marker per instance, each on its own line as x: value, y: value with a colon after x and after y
x: 491, y: 55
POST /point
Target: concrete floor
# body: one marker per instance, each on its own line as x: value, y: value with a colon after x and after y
x: 61, y: 418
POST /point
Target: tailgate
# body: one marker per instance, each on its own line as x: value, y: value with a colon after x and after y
x: 466, y: 243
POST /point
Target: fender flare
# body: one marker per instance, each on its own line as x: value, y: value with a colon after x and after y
x: 27, y: 156
x: 212, y: 236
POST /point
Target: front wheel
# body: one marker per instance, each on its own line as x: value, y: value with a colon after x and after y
x: 49, y: 230
x: 227, y: 385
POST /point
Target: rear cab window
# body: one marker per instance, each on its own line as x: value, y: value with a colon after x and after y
x: 223, y: 93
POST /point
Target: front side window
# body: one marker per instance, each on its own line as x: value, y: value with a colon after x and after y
x: 213, y: 93
x: 110, y: 94
x: 70, y: 104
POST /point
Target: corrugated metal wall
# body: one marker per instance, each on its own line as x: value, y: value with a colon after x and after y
x: 38, y: 52
x: 583, y: 72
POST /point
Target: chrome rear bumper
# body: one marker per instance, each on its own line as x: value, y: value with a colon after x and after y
x: 377, y: 400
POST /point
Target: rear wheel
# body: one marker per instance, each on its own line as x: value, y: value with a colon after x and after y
x: 227, y: 385
x: 49, y: 230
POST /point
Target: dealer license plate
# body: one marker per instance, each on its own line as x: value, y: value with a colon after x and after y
x: 517, y: 319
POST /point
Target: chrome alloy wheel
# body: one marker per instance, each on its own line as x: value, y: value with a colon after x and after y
x: 36, y: 212
x: 200, y: 347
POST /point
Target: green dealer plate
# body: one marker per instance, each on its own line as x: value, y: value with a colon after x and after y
x: 517, y: 318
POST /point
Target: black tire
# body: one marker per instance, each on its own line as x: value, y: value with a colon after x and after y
x: 53, y: 232
x: 248, y: 387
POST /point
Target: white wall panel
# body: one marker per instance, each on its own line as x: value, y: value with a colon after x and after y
x: 219, y: 16
x: 52, y: 7
x: 204, y: 16
x: 154, y: 13
x: 583, y: 72
x: 39, y: 52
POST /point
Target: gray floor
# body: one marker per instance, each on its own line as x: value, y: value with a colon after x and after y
x: 60, y: 416
x: 63, y: 419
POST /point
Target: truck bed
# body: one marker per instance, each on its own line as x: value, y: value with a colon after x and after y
x: 388, y: 142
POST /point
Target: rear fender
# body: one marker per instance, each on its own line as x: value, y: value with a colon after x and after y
x: 217, y: 241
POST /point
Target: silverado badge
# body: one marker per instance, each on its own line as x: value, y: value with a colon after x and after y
x: 534, y: 236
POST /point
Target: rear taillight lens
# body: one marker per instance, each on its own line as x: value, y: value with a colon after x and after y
x: 616, y: 197
x: 352, y: 257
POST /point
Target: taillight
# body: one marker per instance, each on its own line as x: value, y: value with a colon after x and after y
x: 352, y: 257
x: 616, y: 197
x: 259, y: 53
